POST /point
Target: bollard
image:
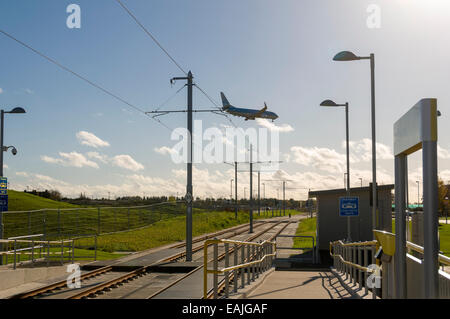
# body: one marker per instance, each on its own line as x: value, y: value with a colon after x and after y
x: 227, y: 264
x: 216, y: 268
x: 235, y: 272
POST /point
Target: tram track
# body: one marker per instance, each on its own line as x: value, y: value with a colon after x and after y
x: 105, y: 278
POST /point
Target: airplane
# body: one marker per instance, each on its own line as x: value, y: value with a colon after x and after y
x: 249, y: 114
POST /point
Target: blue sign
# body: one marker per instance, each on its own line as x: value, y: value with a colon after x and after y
x: 3, y: 186
x: 348, y: 206
x: 3, y: 203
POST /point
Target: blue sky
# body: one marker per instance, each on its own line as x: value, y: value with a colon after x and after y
x: 279, y: 52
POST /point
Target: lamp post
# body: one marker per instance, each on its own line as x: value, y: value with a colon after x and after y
x: 330, y: 103
x: 349, y: 56
x: 16, y: 110
x: 361, y: 181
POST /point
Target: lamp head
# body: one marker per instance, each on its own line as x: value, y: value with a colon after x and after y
x: 346, y: 56
x: 328, y: 103
x: 17, y: 110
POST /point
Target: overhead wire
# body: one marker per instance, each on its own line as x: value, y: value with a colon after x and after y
x: 67, y: 69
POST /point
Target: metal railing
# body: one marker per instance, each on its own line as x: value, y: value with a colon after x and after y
x: 352, y: 259
x: 257, y: 258
x: 444, y: 277
x: 311, y: 247
x: 38, y: 249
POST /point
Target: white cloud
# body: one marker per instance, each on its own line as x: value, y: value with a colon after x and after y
x: 443, y: 153
x: 284, y: 128
x: 72, y: 159
x: 127, y: 162
x: 90, y: 139
x: 165, y: 150
x: 362, y: 149
x: 24, y: 174
x: 324, y: 159
x: 95, y: 155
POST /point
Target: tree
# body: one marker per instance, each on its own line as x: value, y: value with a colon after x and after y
x: 442, y: 193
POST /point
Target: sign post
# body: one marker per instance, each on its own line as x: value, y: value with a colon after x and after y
x: 348, y: 206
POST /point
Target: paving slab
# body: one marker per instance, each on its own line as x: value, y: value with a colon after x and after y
x: 300, y: 285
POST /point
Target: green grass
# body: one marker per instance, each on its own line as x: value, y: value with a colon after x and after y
x: 18, y: 201
x: 306, y: 227
x: 168, y: 231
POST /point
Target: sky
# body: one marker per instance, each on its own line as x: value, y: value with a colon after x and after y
x: 77, y: 139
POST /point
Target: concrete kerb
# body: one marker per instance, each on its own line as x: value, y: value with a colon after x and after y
x: 352, y: 288
x: 244, y: 293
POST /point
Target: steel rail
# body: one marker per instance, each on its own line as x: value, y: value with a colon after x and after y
x: 132, y: 275
x: 220, y: 257
x: 102, y: 270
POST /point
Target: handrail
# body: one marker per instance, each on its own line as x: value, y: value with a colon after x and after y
x: 26, y: 236
x: 357, y: 253
x: 225, y: 270
x: 442, y: 259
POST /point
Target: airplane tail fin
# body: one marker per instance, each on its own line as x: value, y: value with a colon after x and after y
x: 225, y: 102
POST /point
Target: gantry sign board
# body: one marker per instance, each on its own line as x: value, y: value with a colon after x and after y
x: 418, y: 125
x: 348, y: 206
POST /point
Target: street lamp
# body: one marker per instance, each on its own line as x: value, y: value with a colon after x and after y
x: 350, y: 56
x: 330, y: 103
x: 16, y: 110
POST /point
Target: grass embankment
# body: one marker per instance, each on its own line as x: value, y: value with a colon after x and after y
x: 18, y: 201
x: 171, y: 230
x: 160, y: 225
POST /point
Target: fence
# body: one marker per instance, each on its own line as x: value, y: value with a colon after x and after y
x: 36, y: 249
x: 259, y: 259
x: 352, y: 259
x: 72, y: 222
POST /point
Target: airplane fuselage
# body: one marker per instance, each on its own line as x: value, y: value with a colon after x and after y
x: 250, y: 114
